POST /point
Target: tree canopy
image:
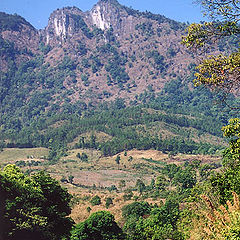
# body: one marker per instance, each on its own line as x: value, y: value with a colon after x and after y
x: 32, y: 207
x: 99, y: 226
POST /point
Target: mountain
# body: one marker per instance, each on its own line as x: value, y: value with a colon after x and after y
x: 110, y: 51
x: 108, y: 58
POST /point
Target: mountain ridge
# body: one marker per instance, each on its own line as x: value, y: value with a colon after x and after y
x: 146, y: 45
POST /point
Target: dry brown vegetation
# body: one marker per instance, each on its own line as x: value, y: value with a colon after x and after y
x: 101, y: 172
x: 217, y: 222
x: 80, y: 213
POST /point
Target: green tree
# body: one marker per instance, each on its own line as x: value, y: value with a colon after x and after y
x: 170, y: 170
x: 2, y: 145
x: 152, y: 184
x: 232, y: 153
x: 35, y: 207
x: 93, y: 141
x: 228, y: 181
x: 109, y: 201
x: 161, y: 183
x: 117, y: 160
x: 140, y: 186
x: 70, y: 179
x: 128, y: 194
x: 84, y: 157
x: 136, y: 209
x: 99, y: 226
x: 205, y: 171
x: 186, y: 178
x: 226, y: 185
x: 122, y: 184
x: 159, y: 223
x: 96, y: 200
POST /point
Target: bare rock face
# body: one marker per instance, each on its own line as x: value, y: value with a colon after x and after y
x: 115, y: 49
x: 108, y: 52
x: 72, y: 22
x: 106, y: 14
x: 62, y: 25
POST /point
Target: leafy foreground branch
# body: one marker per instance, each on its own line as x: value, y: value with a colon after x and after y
x: 220, y: 72
x: 217, y: 71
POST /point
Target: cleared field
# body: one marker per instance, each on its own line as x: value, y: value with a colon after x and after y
x: 98, y: 170
x: 11, y: 155
x: 104, y: 171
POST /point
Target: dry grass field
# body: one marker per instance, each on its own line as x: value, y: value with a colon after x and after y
x: 80, y: 213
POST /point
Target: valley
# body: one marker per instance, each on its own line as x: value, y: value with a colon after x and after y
x: 102, y: 176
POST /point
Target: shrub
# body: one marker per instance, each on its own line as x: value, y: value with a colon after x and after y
x: 109, y: 201
x: 136, y: 209
x: 96, y: 200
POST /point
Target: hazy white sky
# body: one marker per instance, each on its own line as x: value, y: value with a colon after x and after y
x: 37, y: 12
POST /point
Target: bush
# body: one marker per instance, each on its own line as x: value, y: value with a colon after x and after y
x: 89, y: 209
x: 136, y: 209
x: 96, y: 200
x: 128, y: 196
x: 109, y: 201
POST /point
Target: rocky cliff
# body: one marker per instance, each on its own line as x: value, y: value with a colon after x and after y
x: 106, y: 14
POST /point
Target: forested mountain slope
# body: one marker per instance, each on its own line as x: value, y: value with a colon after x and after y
x: 84, y: 65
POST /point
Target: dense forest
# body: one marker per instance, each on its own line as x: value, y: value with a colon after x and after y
x: 128, y: 127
